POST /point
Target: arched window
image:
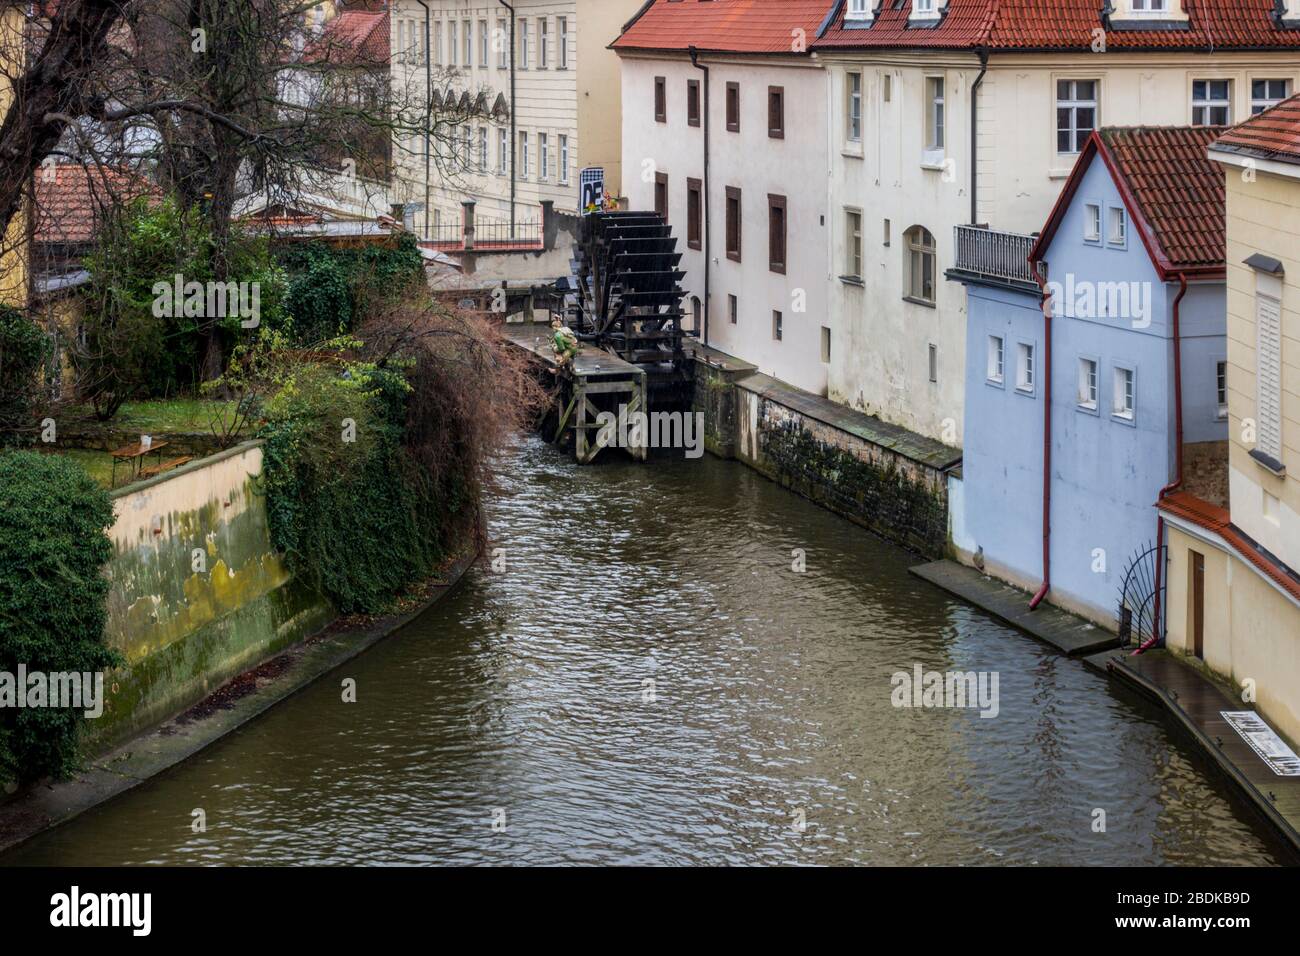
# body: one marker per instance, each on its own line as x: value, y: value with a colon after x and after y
x: 919, y: 274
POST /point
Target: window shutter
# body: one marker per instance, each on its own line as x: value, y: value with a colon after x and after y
x: 1268, y: 375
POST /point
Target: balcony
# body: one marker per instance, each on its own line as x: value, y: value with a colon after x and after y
x: 997, y: 258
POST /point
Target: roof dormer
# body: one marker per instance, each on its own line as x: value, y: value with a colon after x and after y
x: 859, y: 12
x: 1287, y: 13
x: 1147, y: 15
x: 926, y: 13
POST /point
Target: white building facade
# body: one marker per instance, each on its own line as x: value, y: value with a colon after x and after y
x: 908, y: 86
x: 751, y: 227
x: 515, y: 149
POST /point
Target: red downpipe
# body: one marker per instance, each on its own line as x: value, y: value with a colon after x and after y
x: 1047, y: 441
x: 1173, y: 486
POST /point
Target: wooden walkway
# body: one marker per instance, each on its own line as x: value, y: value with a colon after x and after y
x: 596, y: 382
x: 1067, y: 633
x: 1197, y: 704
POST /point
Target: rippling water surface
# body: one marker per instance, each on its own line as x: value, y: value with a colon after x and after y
x: 648, y: 681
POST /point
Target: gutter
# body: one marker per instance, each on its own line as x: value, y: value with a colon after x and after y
x: 1157, y: 621
x: 974, y: 127
x: 514, y: 135
x: 1047, y: 440
x: 428, y: 113
x: 708, y: 245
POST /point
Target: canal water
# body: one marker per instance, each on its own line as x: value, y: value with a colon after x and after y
x: 649, y: 680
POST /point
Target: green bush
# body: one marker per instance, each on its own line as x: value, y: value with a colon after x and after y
x: 53, y: 548
x: 23, y: 347
x: 128, y: 351
x: 355, y: 519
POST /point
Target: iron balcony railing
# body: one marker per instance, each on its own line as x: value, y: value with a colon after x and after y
x: 989, y: 254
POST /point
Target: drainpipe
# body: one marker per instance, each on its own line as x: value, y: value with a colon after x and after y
x: 1047, y: 440
x: 514, y: 178
x: 1156, y: 620
x: 974, y: 127
x: 428, y: 113
x: 708, y: 245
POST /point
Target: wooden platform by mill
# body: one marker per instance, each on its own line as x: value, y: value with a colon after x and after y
x: 595, y: 381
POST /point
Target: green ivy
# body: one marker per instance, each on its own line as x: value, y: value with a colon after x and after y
x: 330, y: 287
x: 354, y: 518
x: 53, y: 548
x: 23, y: 348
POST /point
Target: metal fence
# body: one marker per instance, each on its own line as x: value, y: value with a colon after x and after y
x: 999, y: 255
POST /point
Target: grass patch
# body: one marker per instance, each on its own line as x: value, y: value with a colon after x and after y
x: 97, y: 464
x: 174, y: 415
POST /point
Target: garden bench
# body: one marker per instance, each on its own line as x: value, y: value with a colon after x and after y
x: 162, y: 466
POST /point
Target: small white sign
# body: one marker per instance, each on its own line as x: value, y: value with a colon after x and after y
x: 1264, y: 741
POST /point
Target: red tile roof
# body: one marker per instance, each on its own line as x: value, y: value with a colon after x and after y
x: 71, y: 199
x: 725, y: 26
x: 1273, y: 134
x: 354, y: 37
x: 1174, y: 193
x: 1205, y: 515
x: 1010, y: 25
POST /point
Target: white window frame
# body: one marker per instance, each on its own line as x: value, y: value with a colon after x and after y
x: 995, y: 361
x: 523, y: 155
x: 562, y: 37
x: 484, y: 46
x: 1221, y: 390
x: 859, y: 10
x: 1073, y: 102
x: 1260, y: 103
x: 1205, y: 105
x: 521, y: 33
x: 503, y: 151
x: 853, y: 248
x: 503, y: 54
x: 1025, y: 371
x: 1092, y: 222
x: 564, y: 159
x: 1089, y: 383
x: 936, y: 118
x: 1124, y: 394
x: 437, y: 43
x: 1116, y: 216
x: 451, y: 42
x: 543, y: 43
x: 924, y: 10
x: 543, y: 155
x: 482, y: 149
x: 853, y: 108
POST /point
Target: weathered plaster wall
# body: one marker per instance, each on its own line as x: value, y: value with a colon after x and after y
x: 197, y: 594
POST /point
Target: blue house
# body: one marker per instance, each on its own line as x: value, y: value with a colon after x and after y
x: 1132, y: 257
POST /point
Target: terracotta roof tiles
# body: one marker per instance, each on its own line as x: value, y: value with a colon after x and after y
x: 71, y: 199
x: 1010, y: 25
x: 1273, y: 134
x: 1173, y: 190
x: 727, y: 26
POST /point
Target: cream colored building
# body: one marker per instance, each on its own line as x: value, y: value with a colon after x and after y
x: 565, y: 106
x: 943, y: 118
x: 13, y: 246
x: 1234, y: 576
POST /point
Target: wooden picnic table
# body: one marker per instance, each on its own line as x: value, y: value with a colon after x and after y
x: 133, y: 456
